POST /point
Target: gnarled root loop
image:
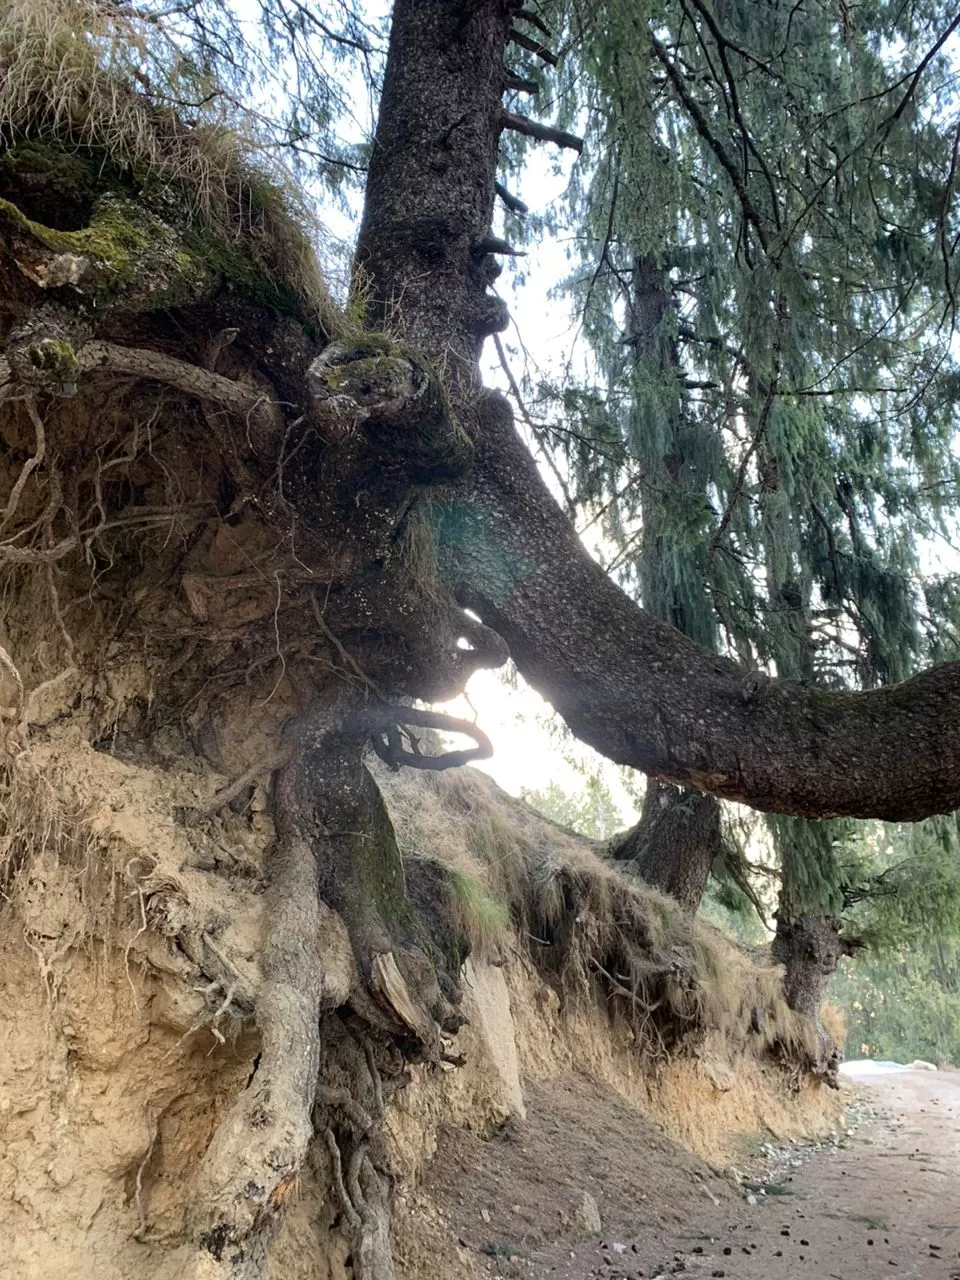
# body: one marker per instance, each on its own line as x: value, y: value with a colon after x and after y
x: 359, y: 1170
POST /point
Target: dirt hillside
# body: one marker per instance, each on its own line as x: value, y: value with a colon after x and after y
x: 129, y: 949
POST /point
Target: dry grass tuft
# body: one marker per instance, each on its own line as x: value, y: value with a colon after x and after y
x: 72, y: 71
x: 595, y: 935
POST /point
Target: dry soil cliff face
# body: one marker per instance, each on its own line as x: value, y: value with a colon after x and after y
x: 121, y: 1054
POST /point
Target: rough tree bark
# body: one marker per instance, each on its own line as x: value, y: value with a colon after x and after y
x: 809, y: 946
x: 674, y: 844
x: 631, y: 686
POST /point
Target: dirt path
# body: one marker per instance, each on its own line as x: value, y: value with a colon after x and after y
x: 888, y: 1203
x: 885, y: 1203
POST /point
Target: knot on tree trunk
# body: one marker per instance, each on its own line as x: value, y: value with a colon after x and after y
x: 397, y: 399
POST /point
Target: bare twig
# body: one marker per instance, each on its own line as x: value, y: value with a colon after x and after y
x: 513, y: 203
x: 533, y: 46
x: 542, y: 132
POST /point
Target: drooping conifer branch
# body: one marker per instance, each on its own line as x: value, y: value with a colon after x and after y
x: 698, y: 116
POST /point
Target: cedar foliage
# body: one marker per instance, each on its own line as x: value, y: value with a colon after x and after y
x: 766, y: 275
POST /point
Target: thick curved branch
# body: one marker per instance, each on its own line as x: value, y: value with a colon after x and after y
x: 644, y: 695
x: 388, y: 747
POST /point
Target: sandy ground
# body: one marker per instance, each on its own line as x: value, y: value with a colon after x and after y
x: 884, y: 1202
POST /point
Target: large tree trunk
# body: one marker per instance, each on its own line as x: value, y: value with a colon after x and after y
x: 286, y: 471
x: 315, y: 454
x: 807, y: 941
x: 631, y: 686
x: 423, y: 262
x: 319, y: 456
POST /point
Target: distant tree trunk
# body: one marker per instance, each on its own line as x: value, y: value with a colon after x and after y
x: 674, y: 844
x: 807, y: 940
x: 810, y: 947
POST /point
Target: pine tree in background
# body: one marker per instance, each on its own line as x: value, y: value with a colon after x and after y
x: 902, y: 997
x: 767, y: 283
x: 591, y: 811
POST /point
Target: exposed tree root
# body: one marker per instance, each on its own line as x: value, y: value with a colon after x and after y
x: 367, y: 1203
x: 255, y: 1157
x: 362, y: 1182
x: 339, y: 929
x: 227, y: 794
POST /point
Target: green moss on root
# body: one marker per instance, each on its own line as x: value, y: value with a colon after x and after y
x: 144, y: 251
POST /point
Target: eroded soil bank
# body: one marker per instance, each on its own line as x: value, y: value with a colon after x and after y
x: 883, y: 1201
